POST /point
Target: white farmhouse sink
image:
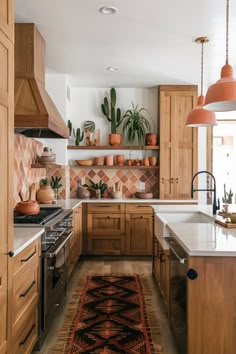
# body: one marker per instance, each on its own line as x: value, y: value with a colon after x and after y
x: 185, y: 217
x: 164, y: 218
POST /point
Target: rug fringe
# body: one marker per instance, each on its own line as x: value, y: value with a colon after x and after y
x: 62, y: 343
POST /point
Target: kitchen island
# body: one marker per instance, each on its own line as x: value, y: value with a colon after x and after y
x: 201, y: 288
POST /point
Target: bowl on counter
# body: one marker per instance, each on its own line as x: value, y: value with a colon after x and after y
x: 85, y: 162
x: 143, y: 195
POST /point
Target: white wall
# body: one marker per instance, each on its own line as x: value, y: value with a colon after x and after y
x: 86, y: 105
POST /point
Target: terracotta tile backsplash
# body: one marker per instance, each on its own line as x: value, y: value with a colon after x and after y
x: 128, y: 180
x: 27, y: 150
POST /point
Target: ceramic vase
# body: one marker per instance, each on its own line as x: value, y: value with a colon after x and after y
x: 153, y: 160
x: 151, y: 139
x: 120, y: 160
x: 115, y: 139
x: 109, y: 160
x: 45, y: 195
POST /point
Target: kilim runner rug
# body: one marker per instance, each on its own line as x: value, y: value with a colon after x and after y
x: 112, y: 314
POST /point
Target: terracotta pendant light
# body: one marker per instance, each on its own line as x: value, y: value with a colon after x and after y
x: 221, y: 96
x: 200, y: 117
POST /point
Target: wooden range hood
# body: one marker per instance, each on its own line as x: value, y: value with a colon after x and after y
x: 35, y: 113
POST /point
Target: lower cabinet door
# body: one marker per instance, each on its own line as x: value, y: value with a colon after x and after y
x: 139, y: 234
x: 25, y: 331
x: 106, y: 245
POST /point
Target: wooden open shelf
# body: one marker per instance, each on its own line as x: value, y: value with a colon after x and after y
x: 125, y: 167
x: 109, y: 147
x: 48, y: 165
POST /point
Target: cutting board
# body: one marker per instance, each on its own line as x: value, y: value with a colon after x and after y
x: 221, y: 221
x: 33, y: 190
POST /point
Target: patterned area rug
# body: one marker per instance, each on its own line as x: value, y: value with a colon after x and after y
x: 112, y: 314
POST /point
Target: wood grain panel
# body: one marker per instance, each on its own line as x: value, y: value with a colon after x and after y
x: 106, y: 245
x: 139, y: 234
x: 106, y: 208
x: 7, y: 18
x: 105, y: 224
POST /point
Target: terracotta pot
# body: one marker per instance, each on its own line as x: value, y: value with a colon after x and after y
x: 151, y: 139
x: 29, y: 207
x: 109, y: 160
x: 120, y: 160
x: 146, y: 161
x: 129, y: 162
x: 45, y: 195
x: 153, y: 160
x: 115, y: 139
x: 99, y: 161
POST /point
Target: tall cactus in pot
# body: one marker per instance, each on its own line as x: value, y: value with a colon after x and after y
x: 112, y: 113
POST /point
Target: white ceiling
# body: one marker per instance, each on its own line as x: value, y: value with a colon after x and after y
x: 151, y: 41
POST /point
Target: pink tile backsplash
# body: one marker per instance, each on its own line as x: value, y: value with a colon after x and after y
x: 27, y: 150
x: 128, y: 180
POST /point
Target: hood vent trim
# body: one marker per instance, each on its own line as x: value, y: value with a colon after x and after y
x: 35, y: 113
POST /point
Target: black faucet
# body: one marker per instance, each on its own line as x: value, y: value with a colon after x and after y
x: 215, y: 207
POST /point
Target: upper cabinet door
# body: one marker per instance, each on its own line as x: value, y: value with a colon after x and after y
x: 178, y: 143
x: 7, y: 18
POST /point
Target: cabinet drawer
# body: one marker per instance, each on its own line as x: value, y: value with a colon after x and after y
x: 139, y: 208
x: 25, y: 290
x: 106, y: 245
x: 29, y: 255
x: 25, y: 332
x: 105, y: 208
x: 105, y: 224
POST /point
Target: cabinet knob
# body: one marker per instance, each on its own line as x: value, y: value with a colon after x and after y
x: 108, y: 217
x: 163, y: 180
x: 192, y: 274
x: 172, y: 180
x: 141, y: 217
x: 177, y: 180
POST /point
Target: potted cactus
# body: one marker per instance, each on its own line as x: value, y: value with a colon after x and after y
x: 79, y: 135
x: 113, y: 115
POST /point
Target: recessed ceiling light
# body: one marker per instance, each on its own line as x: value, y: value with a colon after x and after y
x: 112, y: 68
x: 108, y: 10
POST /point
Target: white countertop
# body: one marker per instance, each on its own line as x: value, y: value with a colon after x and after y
x: 205, y: 239
x: 72, y: 203
x: 23, y: 236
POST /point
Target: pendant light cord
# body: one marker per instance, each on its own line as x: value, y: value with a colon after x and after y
x: 202, y: 69
x: 227, y: 31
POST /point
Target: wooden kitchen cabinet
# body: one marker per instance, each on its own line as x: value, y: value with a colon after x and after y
x: 26, y: 269
x: 178, y: 143
x: 6, y: 163
x: 211, y: 306
x: 105, y: 229
x: 139, y: 229
x: 76, y: 239
x: 160, y: 269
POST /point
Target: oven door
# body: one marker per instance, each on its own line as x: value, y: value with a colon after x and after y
x: 178, y: 293
x: 54, y: 279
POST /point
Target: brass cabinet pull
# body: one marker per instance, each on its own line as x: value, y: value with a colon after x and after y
x: 27, y: 259
x: 177, y: 180
x: 28, y: 290
x: 172, y: 180
x: 27, y: 335
x: 108, y: 217
x: 141, y: 217
x: 163, y: 180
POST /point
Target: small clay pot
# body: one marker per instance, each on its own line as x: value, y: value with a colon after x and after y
x: 120, y: 160
x: 153, y: 160
x: 129, y: 162
x: 99, y: 161
x: 151, y: 139
x: 115, y: 139
x: 146, y: 161
x: 109, y: 160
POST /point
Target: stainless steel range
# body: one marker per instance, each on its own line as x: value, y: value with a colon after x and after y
x: 55, y: 251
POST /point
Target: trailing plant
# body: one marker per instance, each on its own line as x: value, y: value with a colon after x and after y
x: 113, y: 115
x: 228, y: 196
x: 45, y: 181
x: 55, y: 182
x: 100, y: 185
x: 136, y: 125
x: 79, y: 135
x: 69, y: 125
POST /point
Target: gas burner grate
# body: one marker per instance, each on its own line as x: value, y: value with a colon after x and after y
x: 40, y: 219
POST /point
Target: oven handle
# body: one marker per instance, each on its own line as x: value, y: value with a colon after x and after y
x: 52, y: 255
x: 181, y: 260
